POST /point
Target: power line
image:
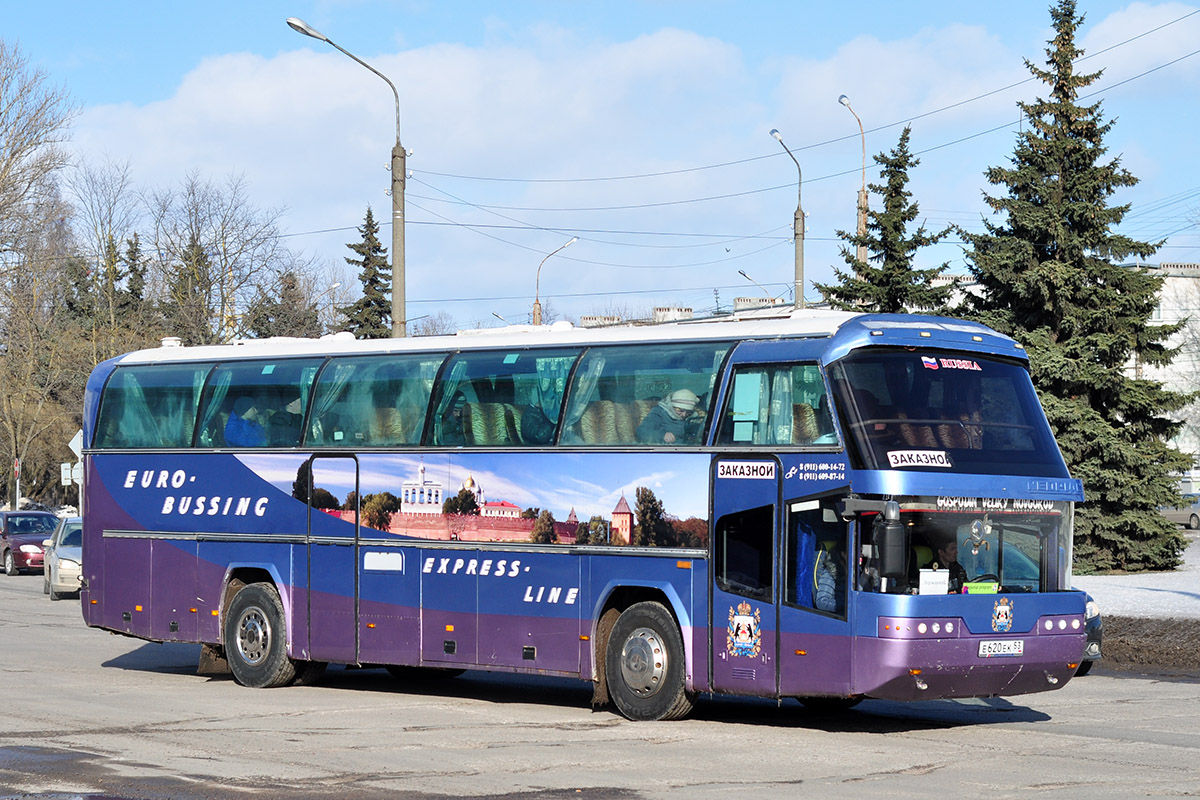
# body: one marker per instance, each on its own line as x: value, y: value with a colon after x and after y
x: 827, y: 142
x: 748, y: 192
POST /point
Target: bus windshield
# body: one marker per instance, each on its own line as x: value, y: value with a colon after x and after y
x: 932, y: 411
x: 985, y: 545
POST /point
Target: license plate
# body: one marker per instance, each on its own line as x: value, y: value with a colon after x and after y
x: 1001, y: 647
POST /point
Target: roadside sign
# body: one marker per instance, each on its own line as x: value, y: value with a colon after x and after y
x: 76, y: 444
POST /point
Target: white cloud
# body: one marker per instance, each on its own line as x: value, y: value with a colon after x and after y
x: 312, y: 131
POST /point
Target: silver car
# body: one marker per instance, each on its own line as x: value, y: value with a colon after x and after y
x: 64, y: 558
x: 1187, y: 514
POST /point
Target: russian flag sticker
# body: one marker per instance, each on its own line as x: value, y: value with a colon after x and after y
x: 930, y: 363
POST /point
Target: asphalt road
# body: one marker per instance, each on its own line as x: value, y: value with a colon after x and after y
x: 89, y: 714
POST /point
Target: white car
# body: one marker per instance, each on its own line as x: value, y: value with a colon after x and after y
x: 1187, y: 515
x: 64, y: 558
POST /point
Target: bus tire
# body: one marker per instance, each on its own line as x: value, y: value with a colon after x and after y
x: 256, y: 638
x: 644, y: 665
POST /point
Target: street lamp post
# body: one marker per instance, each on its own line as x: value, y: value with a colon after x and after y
x: 861, y: 255
x: 398, y: 178
x: 769, y: 296
x: 797, y: 224
x: 537, y: 305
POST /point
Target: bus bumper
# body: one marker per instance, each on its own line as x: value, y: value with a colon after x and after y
x: 916, y: 669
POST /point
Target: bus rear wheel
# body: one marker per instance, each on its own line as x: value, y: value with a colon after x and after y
x: 644, y: 665
x: 256, y: 638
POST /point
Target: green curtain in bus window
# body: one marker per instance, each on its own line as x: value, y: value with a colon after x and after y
x: 150, y: 406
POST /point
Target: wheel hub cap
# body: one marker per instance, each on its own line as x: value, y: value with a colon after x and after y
x: 254, y: 636
x: 643, y: 662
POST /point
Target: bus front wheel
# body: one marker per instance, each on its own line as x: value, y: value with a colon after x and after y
x: 256, y: 640
x: 644, y: 665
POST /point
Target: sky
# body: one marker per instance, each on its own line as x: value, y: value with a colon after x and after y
x: 642, y: 128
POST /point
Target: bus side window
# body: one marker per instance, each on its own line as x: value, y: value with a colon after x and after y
x: 777, y: 405
x: 502, y: 398
x: 743, y: 552
x: 662, y: 390
x: 266, y: 396
x: 372, y: 401
x: 815, y: 564
x: 151, y: 406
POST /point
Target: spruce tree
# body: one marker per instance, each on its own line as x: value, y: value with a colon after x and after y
x: 1052, y: 275
x: 188, y: 306
x: 290, y: 314
x: 370, y: 317
x: 894, y: 286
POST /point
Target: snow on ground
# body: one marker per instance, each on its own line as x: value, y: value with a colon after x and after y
x: 1156, y: 595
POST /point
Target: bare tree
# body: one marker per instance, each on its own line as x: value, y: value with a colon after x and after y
x: 213, y: 249
x: 106, y: 214
x: 433, y: 325
x: 34, y: 119
x: 38, y: 383
x: 41, y: 369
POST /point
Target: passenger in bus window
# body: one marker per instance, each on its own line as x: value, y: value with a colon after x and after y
x: 830, y: 579
x: 667, y: 421
x: 243, y: 428
x: 284, y: 424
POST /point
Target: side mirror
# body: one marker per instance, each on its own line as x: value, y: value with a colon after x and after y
x: 45, y: 542
x: 892, y: 549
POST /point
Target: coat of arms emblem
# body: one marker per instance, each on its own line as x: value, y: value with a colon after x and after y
x: 745, y: 631
x: 1002, y: 615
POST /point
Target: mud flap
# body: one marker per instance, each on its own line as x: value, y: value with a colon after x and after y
x: 212, y: 661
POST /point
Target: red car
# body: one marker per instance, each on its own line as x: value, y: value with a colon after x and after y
x: 21, y: 537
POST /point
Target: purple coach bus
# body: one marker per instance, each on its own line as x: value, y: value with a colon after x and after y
x: 812, y: 504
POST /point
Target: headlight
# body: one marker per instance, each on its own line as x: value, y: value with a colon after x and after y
x: 30, y: 548
x: 1092, y: 610
x: 66, y: 563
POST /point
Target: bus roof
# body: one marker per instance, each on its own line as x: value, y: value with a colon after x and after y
x: 849, y: 329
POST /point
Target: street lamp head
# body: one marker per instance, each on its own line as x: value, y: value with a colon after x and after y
x: 574, y: 239
x: 300, y: 26
x: 844, y: 100
x: 776, y: 135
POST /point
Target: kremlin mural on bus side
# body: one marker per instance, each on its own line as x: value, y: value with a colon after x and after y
x: 576, y: 499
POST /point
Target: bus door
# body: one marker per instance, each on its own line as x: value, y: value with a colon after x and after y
x: 332, y: 563
x: 815, y: 643
x: 744, y: 610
